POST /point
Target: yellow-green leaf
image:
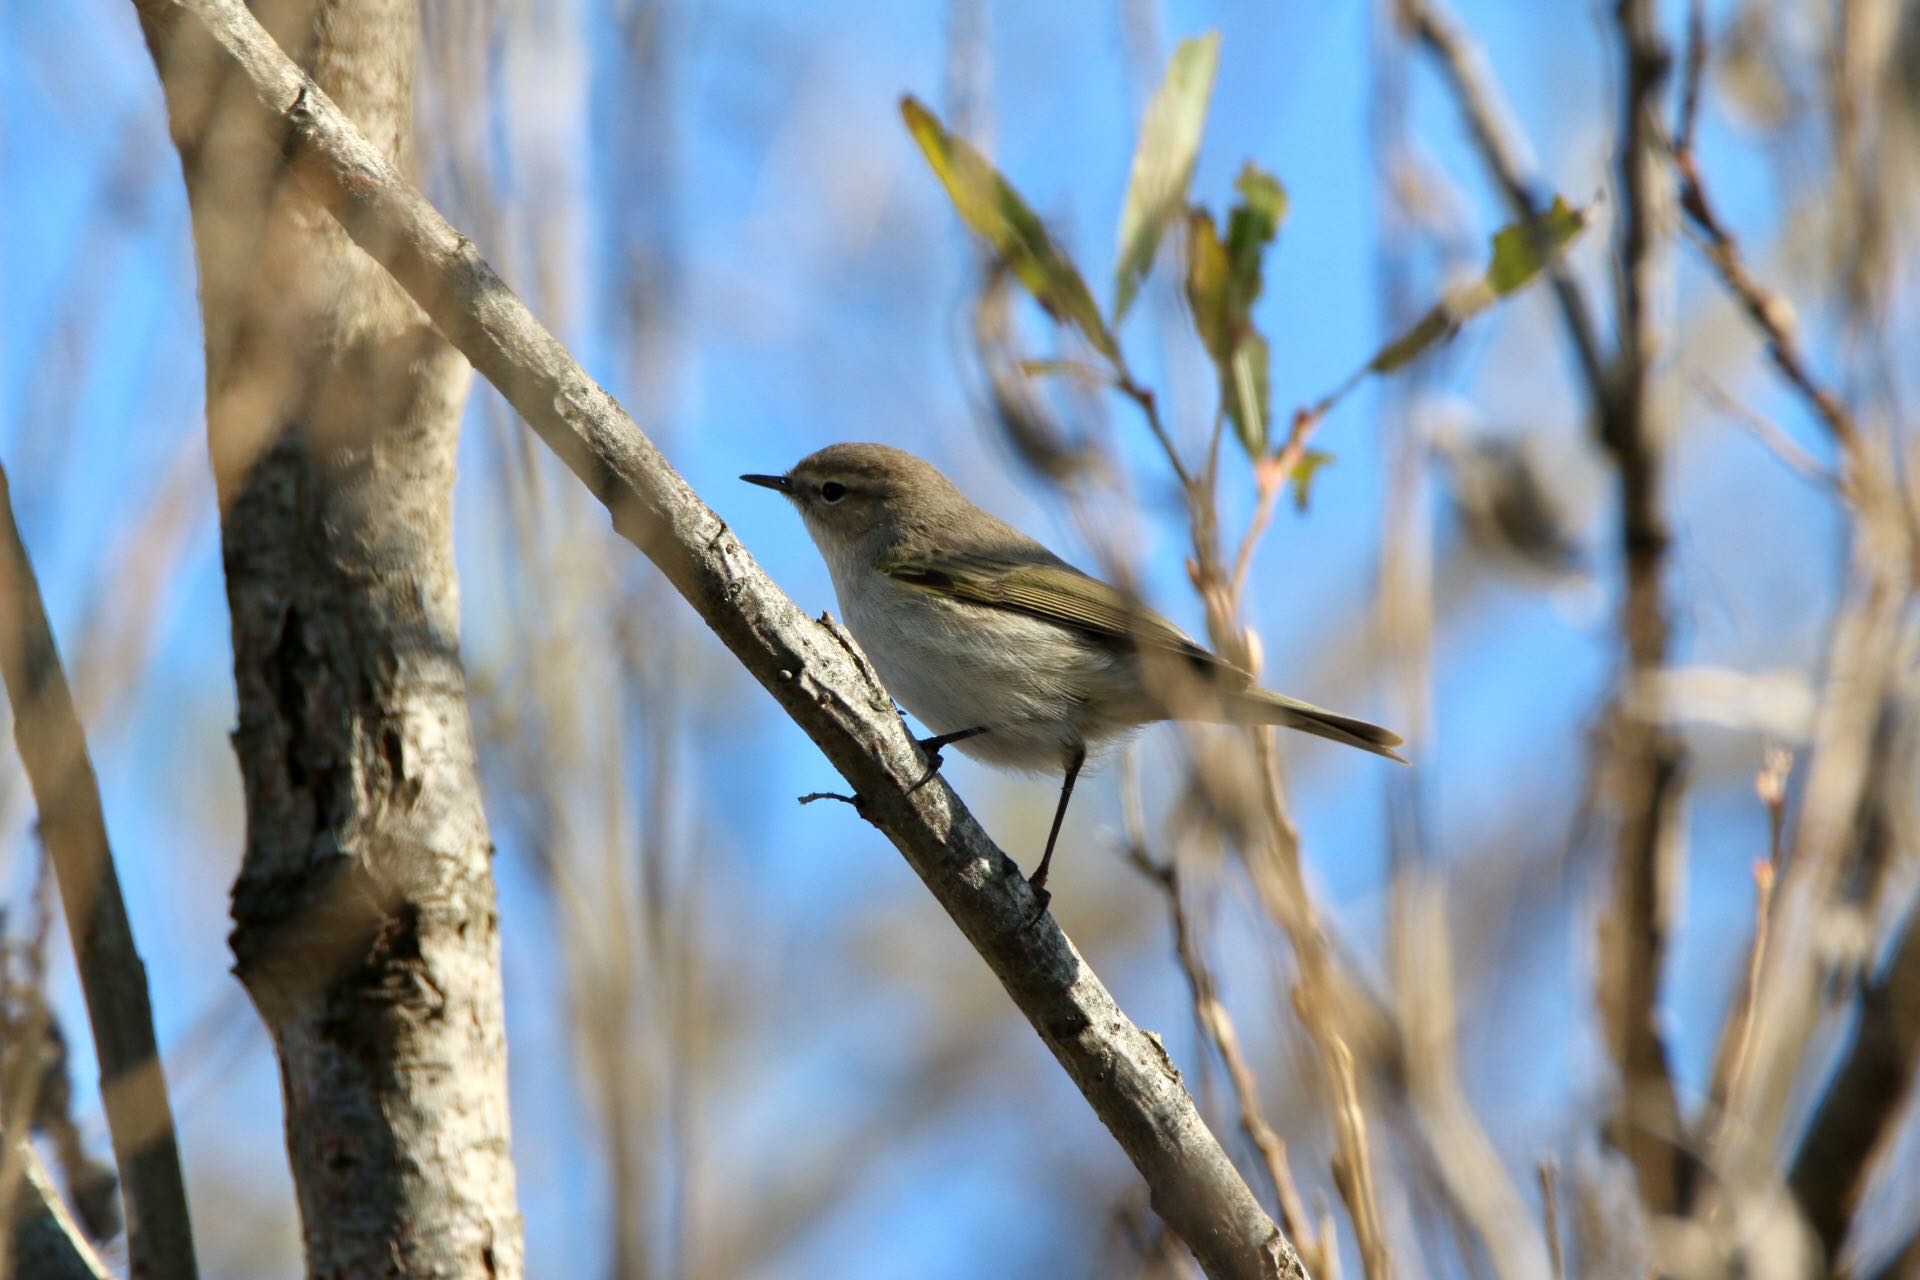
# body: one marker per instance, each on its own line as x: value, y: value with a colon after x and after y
x: 1163, y: 162
x: 1223, y: 283
x: 994, y: 211
x: 1303, y: 472
x: 1255, y: 221
x: 1430, y: 330
x: 1246, y: 393
x: 1207, y: 298
x: 1521, y: 250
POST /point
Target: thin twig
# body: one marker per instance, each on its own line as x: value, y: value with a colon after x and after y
x: 26, y: 1046
x: 1770, y: 312
x: 1550, y: 1206
x: 1769, y: 434
x: 1730, y: 1065
x: 133, y: 1087
x: 1212, y: 1014
x: 1150, y: 407
x: 1281, y: 884
x: 1741, y: 1037
x: 47, y: 1243
x: 1287, y: 899
x: 1464, y: 67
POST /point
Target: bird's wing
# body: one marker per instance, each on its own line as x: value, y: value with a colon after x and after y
x: 1057, y: 593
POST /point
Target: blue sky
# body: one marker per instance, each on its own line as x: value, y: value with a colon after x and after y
x: 819, y: 292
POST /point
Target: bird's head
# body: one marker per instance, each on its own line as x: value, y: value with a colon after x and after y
x: 860, y: 499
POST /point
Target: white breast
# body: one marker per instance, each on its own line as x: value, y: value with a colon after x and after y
x: 956, y: 666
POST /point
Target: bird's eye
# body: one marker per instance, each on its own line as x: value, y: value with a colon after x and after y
x: 832, y: 491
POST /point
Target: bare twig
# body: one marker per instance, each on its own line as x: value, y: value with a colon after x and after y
x: 1730, y: 1068
x: 1776, y: 441
x: 1117, y: 1067
x: 1467, y: 1170
x: 1550, y: 1206
x: 1770, y: 312
x: 26, y: 1049
x: 1218, y: 1024
x: 1270, y: 475
x: 47, y: 1243
x: 132, y: 1086
x: 1464, y: 66
x: 1276, y: 868
x: 1150, y: 407
x: 1281, y: 884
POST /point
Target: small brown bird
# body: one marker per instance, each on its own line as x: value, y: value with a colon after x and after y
x: 1003, y: 649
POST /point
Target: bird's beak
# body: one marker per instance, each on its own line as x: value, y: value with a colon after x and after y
x: 780, y: 484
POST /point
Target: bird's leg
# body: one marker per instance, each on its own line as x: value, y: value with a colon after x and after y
x: 1038, y: 880
x: 932, y: 747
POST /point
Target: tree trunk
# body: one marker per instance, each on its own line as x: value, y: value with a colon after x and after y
x: 364, y: 921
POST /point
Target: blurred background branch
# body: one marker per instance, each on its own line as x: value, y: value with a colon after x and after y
x: 133, y: 1089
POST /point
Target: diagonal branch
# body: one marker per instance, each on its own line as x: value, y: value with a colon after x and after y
x: 47, y: 1243
x: 1770, y: 313
x: 1464, y: 66
x: 813, y: 671
x: 1859, y: 1113
x: 133, y: 1089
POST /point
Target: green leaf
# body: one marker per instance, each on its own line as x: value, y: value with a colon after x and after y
x: 1521, y: 251
x: 1430, y: 330
x: 994, y: 211
x: 1207, y: 297
x: 1052, y: 368
x: 1163, y: 162
x: 1246, y: 392
x: 1303, y: 472
x: 1255, y: 221
x: 1223, y: 283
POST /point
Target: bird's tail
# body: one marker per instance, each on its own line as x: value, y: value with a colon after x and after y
x: 1260, y: 706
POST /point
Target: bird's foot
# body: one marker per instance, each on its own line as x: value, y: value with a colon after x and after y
x: 932, y: 747
x: 1041, y: 899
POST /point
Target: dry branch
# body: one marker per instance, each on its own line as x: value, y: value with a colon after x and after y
x: 47, y: 1243
x: 53, y: 750
x: 813, y: 671
x: 1769, y: 311
x: 1211, y: 1013
x: 1864, y: 1101
x: 1464, y: 65
x: 1646, y: 759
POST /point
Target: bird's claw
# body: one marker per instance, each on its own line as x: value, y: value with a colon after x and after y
x: 932, y: 747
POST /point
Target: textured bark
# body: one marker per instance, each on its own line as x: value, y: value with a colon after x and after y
x: 813, y: 670
x: 364, y: 921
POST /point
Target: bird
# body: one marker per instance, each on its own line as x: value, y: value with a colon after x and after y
x: 1002, y: 649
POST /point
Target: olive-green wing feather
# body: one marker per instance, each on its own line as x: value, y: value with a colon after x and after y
x: 1058, y: 593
